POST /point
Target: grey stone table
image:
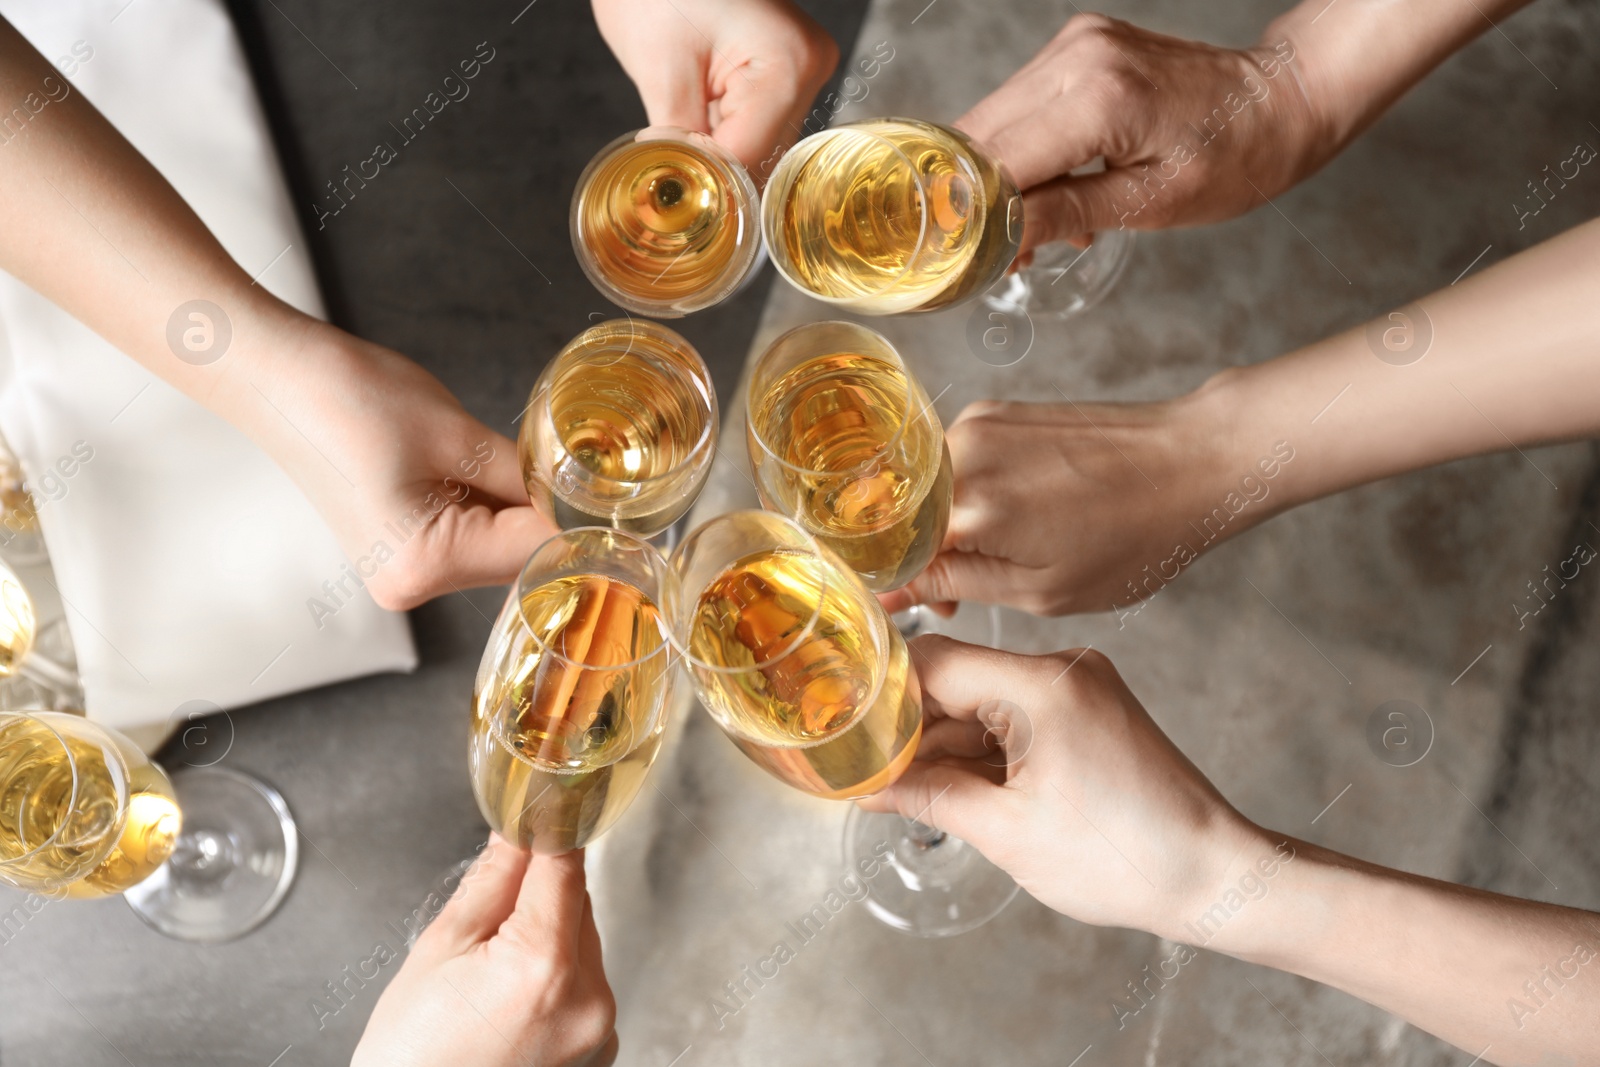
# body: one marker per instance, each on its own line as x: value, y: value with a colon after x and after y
x: 1264, y: 663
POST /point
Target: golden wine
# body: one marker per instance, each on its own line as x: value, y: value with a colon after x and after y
x: 568, y: 711
x: 619, y: 433
x: 874, y: 481
x: 17, y: 625
x: 122, y: 825
x: 892, y: 215
x: 814, y: 684
x: 664, y: 226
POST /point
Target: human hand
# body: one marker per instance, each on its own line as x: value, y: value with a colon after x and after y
x: 423, y: 498
x: 744, y: 71
x: 508, y: 975
x: 1069, y: 507
x: 1190, y: 133
x: 1052, y: 769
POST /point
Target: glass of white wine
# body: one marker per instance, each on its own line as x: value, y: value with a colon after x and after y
x: 620, y: 429
x: 794, y: 658
x: 665, y: 221
x: 895, y: 215
x: 1064, y: 280
x: 574, y: 691
x: 85, y: 814
x: 891, y: 215
x: 843, y: 439
x: 42, y: 679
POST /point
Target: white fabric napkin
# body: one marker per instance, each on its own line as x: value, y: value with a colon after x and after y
x: 185, y: 558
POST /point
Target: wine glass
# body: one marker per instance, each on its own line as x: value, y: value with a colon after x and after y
x: 843, y: 439
x: 574, y: 691
x: 891, y: 215
x: 797, y: 663
x: 1064, y: 280
x: 49, y: 681
x: 620, y: 429
x: 20, y: 538
x: 664, y: 222
x: 84, y: 813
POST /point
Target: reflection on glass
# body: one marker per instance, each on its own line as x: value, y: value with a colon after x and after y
x: 793, y: 656
x: 574, y: 691
x: 843, y: 439
x: 620, y: 429
x: 664, y: 222
x: 891, y: 215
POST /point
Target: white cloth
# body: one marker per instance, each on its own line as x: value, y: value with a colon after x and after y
x: 184, y: 556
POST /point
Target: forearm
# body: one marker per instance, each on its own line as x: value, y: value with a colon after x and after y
x: 1354, y: 58
x: 86, y: 221
x: 1481, y: 971
x: 1511, y: 363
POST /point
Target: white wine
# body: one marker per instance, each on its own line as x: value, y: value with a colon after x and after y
x: 121, y: 824
x: 861, y: 463
x: 17, y: 623
x: 619, y: 431
x: 891, y: 215
x: 665, y: 226
x: 810, y: 680
x: 568, y: 710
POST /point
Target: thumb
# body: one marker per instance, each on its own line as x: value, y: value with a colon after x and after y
x: 463, y: 548
x: 1065, y: 208
x: 674, y: 91
x: 948, y: 797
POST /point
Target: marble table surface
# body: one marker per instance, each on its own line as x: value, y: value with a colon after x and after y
x: 1265, y: 663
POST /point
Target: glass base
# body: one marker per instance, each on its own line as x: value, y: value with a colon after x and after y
x: 233, y: 862
x: 1064, y: 281
x: 929, y: 883
x: 976, y: 624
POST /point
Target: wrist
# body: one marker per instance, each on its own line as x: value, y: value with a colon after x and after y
x: 1237, y: 457
x: 1234, y: 865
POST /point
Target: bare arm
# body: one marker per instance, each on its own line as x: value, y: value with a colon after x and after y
x: 1194, y: 133
x: 371, y: 437
x: 1505, y: 359
x: 1099, y: 816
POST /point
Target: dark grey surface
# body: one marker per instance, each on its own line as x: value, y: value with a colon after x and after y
x: 374, y: 770
x: 1401, y: 583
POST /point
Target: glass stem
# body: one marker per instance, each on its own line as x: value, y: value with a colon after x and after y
x: 924, y: 835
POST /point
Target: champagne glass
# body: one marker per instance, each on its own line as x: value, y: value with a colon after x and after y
x: 574, y: 691
x: 1064, y: 280
x: 891, y: 215
x: 54, y: 681
x: 796, y: 661
x: 84, y: 814
x: 19, y: 513
x: 664, y: 222
x: 620, y: 429
x: 843, y: 439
